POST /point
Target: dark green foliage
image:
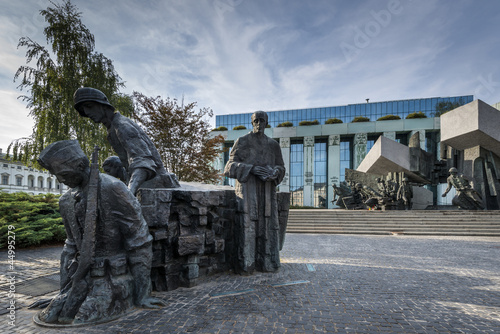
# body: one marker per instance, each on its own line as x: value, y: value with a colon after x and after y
x: 360, y: 119
x: 220, y: 128
x: 285, y: 125
x: 416, y: 114
x: 36, y: 219
x: 305, y: 123
x: 240, y: 127
x: 388, y: 118
x: 268, y: 126
x: 333, y: 121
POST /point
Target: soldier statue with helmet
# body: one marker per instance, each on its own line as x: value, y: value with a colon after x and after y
x: 107, y: 256
x: 135, y: 149
x: 467, y: 197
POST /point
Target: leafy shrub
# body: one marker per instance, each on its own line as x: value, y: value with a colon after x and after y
x: 240, y: 127
x: 268, y: 126
x: 388, y: 118
x: 285, y: 125
x: 220, y: 128
x: 416, y: 114
x: 360, y: 119
x: 333, y: 121
x: 36, y: 219
x: 305, y: 123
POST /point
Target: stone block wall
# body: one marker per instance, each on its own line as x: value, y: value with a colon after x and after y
x: 190, y: 226
x: 193, y: 229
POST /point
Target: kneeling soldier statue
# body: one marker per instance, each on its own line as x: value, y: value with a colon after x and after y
x: 106, y: 260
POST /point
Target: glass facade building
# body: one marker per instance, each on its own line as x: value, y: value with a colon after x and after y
x: 372, y: 110
x: 297, y: 173
x: 316, y: 157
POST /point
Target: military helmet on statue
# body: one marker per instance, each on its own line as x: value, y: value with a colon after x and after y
x: 88, y: 94
x: 453, y: 170
x: 62, y: 152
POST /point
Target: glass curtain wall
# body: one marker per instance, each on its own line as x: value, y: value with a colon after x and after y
x: 372, y: 110
x: 297, y: 173
x: 320, y: 173
x: 370, y: 142
x: 345, y: 156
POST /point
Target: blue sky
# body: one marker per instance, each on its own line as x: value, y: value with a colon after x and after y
x: 238, y: 56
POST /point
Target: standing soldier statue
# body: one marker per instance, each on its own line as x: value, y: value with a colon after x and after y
x: 135, y: 149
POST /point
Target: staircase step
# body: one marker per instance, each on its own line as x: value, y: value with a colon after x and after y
x: 413, y: 222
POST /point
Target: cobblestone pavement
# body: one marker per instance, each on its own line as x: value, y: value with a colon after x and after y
x: 327, y: 284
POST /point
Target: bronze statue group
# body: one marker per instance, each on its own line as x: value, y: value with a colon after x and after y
x: 106, y: 259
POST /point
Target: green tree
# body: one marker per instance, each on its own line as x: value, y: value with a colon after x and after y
x: 51, y: 82
x: 181, y: 135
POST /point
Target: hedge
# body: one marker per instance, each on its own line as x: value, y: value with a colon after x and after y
x: 240, y: 127
x: 285, y: 125
x: 36, y: 220
x: 360, y: 119
x: 333, y: 121
x: 305, y: 123
x: 220, y: 128
x: 417, y: 114
x: 388, y: 118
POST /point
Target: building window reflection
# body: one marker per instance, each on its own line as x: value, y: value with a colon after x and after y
x: 345, y: 156
x: 320, y: 173
x: 297, y: 173
x: 371, y: 140
x: 372, y: 110
x: 402, y: 138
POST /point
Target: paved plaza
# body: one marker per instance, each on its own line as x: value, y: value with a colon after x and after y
x: 327, y: 284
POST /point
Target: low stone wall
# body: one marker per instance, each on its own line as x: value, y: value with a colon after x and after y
x: 193, y: 231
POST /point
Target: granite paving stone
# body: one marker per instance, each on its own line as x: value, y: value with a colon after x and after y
x: 360, y: 284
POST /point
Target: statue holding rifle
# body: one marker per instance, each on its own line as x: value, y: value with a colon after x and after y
x: 106, y: 260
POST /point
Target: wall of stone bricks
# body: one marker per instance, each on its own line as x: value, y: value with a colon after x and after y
x: 193, y: 229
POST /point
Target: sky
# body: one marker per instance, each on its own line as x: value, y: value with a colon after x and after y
x: 239, y: 56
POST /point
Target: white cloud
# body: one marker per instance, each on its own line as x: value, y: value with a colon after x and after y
x: 15, y: 121
x: 241, y: 56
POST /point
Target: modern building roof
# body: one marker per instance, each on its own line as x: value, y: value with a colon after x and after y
x: 346, y: 113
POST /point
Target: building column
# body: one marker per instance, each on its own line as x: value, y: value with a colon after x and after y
x: 421, y: 134
x: 309, y: 171
x: 359, y: 148
x: 285, y: 153
x: 333, y: 166
x: 390, y: 134
x: 218, y: 164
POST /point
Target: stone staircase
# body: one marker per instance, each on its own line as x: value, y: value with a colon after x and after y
x: 413, y: 222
